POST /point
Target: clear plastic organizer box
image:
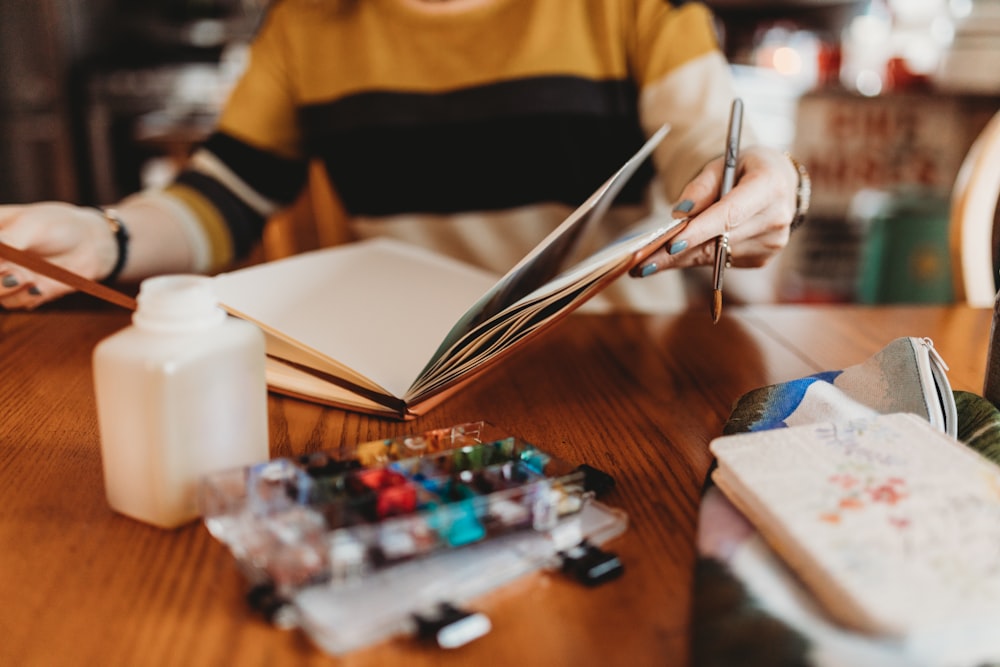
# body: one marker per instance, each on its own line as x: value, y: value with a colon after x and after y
x: 392, y: 536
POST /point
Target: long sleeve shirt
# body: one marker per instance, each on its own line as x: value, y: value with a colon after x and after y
x: 472, y: 132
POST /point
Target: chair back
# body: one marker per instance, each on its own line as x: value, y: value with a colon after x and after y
x: 972, y: 214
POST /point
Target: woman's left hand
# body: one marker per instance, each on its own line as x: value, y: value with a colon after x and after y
x: 757, y: 213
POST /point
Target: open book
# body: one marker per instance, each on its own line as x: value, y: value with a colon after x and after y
x: 387, y: 328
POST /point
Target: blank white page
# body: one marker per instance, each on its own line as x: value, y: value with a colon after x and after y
x: 380, y: 307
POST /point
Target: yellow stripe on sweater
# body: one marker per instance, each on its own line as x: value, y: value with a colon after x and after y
x: 220, y: 241
x: 309, y: 52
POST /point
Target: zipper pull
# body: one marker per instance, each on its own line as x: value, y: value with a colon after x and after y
x: 929, y: 344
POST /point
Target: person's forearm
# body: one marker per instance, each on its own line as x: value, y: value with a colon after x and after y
x: 158, y: 240
x: 695, y: 100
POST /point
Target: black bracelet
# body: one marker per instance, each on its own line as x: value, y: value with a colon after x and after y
x: 121, y: 238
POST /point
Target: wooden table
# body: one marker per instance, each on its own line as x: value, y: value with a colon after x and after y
x: 639, y: 397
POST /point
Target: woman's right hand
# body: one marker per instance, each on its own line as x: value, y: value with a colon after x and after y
x: 77, y: 238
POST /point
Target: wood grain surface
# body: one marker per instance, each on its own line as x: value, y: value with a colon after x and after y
x: 639, y: 397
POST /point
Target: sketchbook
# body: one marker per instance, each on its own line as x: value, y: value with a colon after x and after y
x: 386, y: 328
x: 892, y: 525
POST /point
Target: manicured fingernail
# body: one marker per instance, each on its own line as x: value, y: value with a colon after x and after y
x: 647, y: 270
x: 34, y: 291
x: 678, y: 246
x: 10, y: 281
x: 684, y: 206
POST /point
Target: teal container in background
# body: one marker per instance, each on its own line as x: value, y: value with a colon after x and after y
x: 904, y: 255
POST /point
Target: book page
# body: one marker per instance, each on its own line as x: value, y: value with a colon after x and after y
x: 291, y: 381
x: 893, y: 524
x: 379, y: 307
x: 551, y: 256
x: 551, y: 301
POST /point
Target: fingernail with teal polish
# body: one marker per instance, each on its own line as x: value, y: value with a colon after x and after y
x: 678, y: 246
x: 10, y: 281
x: 684, y: 206
x: 34, y: 291
x: 648, y: 270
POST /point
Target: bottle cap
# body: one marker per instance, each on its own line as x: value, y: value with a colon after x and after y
x: 177, y: 303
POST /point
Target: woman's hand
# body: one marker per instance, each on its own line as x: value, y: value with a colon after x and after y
x: 756, y: 213
x: 76, y: 238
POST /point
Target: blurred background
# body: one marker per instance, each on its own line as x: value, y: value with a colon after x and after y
x: 96, y: 96
x: 881, y: 100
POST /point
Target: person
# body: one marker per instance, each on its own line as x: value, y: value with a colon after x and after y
x: 472, y: 127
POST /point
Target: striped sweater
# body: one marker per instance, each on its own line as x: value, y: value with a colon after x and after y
x: 474, y: 132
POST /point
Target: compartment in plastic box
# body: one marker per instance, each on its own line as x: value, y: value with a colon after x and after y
x: 398, y: 519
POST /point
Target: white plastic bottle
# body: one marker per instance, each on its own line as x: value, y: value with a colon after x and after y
x: 180, y: 393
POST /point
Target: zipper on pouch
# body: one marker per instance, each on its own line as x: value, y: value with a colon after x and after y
x: 934, y: 375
